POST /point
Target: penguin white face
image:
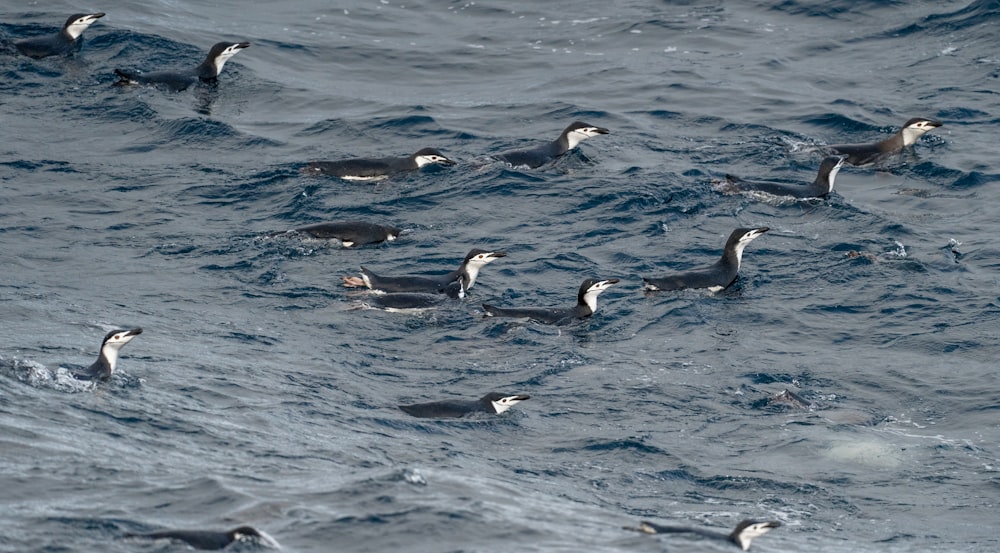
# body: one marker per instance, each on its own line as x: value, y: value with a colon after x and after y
x: 580, y: 134
x: 504, y: 403
x: 915, y: 128
x: 427, y: 159
x: 75, y: 28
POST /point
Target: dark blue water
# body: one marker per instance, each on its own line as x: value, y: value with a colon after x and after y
x: 258, y: 395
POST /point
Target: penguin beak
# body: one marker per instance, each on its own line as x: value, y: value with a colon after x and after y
x: 242, y: 45
x: 134, y: 332
x: 933, y: 123
x: 96, y: 15
x: 446, y: 161
x: 498, y: 254
x: 611, y: 281
x: 601, y: 130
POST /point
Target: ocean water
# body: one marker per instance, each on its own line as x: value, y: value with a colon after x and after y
x: 259, y: 394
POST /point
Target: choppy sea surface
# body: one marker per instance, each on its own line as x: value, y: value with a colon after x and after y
x: 258, y: 394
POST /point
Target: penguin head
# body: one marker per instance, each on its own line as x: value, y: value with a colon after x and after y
x: 916, y: 127
x: 118, y: 338
x: 740, y: 237
x: 747, y: 530
x: 427, y: 156
x: 113, y: 342
x: 591, y: 288
x: 474, y: 261
x: 478, y: 258
x: 502, y: 402
x: 78, y: 23
x: 580, y: 131
x: 222, y: 51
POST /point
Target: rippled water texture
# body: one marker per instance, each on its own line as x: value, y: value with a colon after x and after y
x: 259, y: 394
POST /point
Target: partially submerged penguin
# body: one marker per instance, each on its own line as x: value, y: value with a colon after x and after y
x: 210, y: 540
x: 716, y: 276
x: 821, y: 187
x: 492, y: 403
x: 102, y: 369
x: 540, y: 155
x: 370, y: 169
x: 207, y: 72
x: 66, y: 41
x: 866, y: 154
x: 741, y: 536
x: 466, y: 273
x: 586, y: 305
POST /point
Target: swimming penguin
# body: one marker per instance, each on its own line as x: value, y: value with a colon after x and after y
x: 63, y: 42
x: 536, y: 157
x: 492, y: 403
x: 467, y: 272
x: 352, y: 233
x: 207, y: 72
x: 103, y: 368
x: 376, y: 168
x: 717, y: 276
x: 821, y: 187
x: 742, y: 535
x: 865, y: 154
x: 212, y: 539
x: 586, y: 305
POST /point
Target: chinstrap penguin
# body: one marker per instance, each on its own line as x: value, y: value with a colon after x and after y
x: 102, y: 369
x: 865, y: 154
x: 820, y: 188
x: 212, y: 539
x: 715, y: 277
x: 586, y: 305
x: 352, y: 233
x: 741, y: 536
x: 538, y: 156
x: 376, y: 168
x: 207, y: 72
x: 63, y: 42
x: 492, y: 403
x: 467, y: 273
